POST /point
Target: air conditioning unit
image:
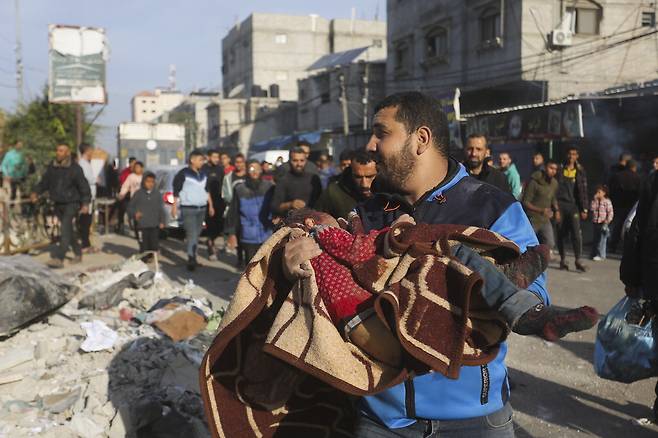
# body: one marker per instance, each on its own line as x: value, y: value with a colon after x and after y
x: 561, y: 38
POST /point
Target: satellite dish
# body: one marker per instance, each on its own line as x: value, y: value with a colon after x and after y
x: 151, y: 145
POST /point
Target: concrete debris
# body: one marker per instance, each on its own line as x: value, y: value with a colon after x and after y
x: 138, y: 382
x: 29, y: 290
x: 99, y: 336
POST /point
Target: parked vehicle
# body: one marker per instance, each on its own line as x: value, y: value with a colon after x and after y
x: 164, y: 182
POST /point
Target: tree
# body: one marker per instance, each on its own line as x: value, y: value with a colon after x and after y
x: 42, y: 125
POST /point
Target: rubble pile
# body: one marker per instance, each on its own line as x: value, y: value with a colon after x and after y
x: 100, y: 367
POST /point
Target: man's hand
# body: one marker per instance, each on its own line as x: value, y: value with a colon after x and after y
x: 162, y: 226
x: 34, y: 198
x: 548, y: 213
x: 84, y: 209
x: 558, y: 217
x: 583, y: 215
x: 297, y: 204
x: 211, y: 211
x: 138, y: 215
x: 232, y: 241
x: 296, y: 252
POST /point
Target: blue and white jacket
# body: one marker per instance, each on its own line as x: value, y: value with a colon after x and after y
x: 191, y: 188
x: 479, y: 390
x: 249, y: 214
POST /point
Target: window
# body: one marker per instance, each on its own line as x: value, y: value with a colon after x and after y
x: 648, y: 19
x: 436, y: 43
x: 377, y: 43
x: 402, y: 57
x: 584, y: 21
x: 281, y: 38
x: 143, y: 101
x: 489, y: 25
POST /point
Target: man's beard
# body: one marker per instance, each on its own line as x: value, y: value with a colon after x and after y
x: 474, y: 163
x: 397, y: 169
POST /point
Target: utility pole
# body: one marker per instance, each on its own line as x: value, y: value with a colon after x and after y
x: 343, y: 101
x: 19, y: 57
x: 365, y: 97
x: 78, y: 124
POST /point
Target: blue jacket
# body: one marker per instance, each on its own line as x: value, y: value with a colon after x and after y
x: 248, y: 214
x: 191, y: 188
x: 479, y: 390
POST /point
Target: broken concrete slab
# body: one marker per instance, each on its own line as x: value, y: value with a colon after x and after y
x: 10, y: 359
x: 60, y: 402
x: 29, y: 290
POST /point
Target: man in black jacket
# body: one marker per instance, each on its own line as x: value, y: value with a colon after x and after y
x: 69, y: 190
x: 298, y: 188
x: 214, y: 224
x: 639, y: 263
x: 477, y: 165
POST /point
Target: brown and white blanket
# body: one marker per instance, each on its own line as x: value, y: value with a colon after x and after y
x: 279, y: 366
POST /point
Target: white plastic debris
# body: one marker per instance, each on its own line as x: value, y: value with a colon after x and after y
x: 99, y: 336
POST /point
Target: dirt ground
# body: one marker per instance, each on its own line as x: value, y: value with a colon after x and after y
x: 555, y: 390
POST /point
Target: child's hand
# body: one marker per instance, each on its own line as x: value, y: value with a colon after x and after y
x: 405, y: 218
x: 138, y: 215
x: 162, y: 226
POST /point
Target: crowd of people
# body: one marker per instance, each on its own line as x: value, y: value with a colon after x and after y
x: 404, y: 170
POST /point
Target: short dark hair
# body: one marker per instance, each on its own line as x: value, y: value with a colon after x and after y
x: 631, y: 164
x: 253, y: 161
x: 84, y: 147
x: 139, y: 163
x: 551, y: 161
x: 477, y: 135
x: 415, y: 109
x: 573, y: 148
x: 131, y: 159
x: 347, y: 154
x: 538, y: 153
x: 601, y: 187
x: 506, y: 153
x: 212, y: 152
x: 239, y: 155
x: 362, y: 156
x: 301, y: 143
x: 297, y: 150
x: 195, y: 153
x: 148, y: 175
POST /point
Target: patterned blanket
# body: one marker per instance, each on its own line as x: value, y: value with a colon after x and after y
x: 279, y: 366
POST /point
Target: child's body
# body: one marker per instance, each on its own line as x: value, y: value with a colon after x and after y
x: 522, y: 310
x: 602, y: 215
x: 147, y: 207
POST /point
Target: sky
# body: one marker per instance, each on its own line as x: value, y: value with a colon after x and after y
x: 145, y: 37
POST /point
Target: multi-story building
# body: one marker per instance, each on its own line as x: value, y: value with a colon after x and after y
x: 266, y: 54
x: 504, y: 53
x: 235, y: 124
x: 191, y: 112
x: 320, y: 95
x: 154, y: 144
x: 147, y: 106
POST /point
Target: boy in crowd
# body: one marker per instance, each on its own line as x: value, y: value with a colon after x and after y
x: 147, y: 208
x: 602, y: 215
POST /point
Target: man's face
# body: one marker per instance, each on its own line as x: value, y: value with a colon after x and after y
x: 476, y: 151
x: 149, y: 183
x: 196, y: 162
x: 363, y: 175
x: 240, y: 164
x: 213, y: 159
x: 393, y: 145
x: 572, y: 156
x: 323, y: 162
x: 254, y: 171
x: 655, y: 163
x: 537, y: 160
x: 551, y: 170
x: 306, y: 149
x: 504, y: 160
x: 131, y: 165
x: 225, y: 159
x: 138, y: 169
x: 18, y: 145
x: 344, y: 164
x: 62, y: 152
x: 297, y: 162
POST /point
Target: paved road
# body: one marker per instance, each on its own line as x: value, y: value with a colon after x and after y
x: 556, y: 393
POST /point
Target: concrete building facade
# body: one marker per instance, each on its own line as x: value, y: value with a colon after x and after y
x: 191, y: 112
x: 503, y: 53
x: 266, y: 54
x: 148, y: 106
x: 320, y: 105
x: 235, y: 124
x: 154, y: 144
